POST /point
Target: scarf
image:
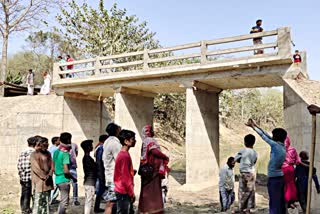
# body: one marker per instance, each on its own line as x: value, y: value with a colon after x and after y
x: 64, y: 147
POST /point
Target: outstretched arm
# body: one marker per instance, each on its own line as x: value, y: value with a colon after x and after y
x: 265, y: 136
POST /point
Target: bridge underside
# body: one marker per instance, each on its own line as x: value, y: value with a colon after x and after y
x: 225, y: 75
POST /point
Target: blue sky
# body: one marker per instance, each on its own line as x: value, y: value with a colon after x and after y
x: 182, y: 21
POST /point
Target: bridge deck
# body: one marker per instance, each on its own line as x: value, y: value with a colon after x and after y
x: 163, y: 71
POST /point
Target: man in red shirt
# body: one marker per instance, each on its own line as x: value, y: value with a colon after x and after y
x: 69, y: 67
x: 124, y: 173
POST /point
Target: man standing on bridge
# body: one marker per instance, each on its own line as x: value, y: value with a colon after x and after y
x: 258, y: 40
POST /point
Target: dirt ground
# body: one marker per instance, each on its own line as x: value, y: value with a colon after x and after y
x: 178, y: 200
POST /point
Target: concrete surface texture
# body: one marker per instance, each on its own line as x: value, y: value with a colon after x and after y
x: 48, y: 116
x: 298, y: 121
x: 202, y: 137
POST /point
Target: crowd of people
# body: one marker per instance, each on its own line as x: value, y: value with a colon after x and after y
x: 287, y: 174
x: 47, y: 171
x: 46, y: 87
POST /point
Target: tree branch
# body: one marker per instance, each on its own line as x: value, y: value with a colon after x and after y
x: 23, y: 15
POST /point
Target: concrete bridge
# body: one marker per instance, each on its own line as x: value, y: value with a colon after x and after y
x: 202, y: 70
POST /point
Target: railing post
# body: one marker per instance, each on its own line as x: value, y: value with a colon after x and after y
x: 203, y: 52
x: 145, y: 60
x: 284, y: 42
x: 55, y: 73
x: 97, y: 66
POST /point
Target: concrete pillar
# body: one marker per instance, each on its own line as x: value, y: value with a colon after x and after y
x: 298, y: 123
x: 202, y: 137
x: 133, y: 112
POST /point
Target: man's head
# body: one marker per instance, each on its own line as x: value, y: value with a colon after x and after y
x: 304, y: 155
x: 103, y: 138
x: 30, y: 71
x: 31, y: 142
x: 55, y: 141
x: 42, y: 144
x: 279, y: 135
x: 127, y: 138
x: 87, y: 145
x: 60, y: 57
x: 259, y: 22
x: 113, y: 129
x: 249, y: 140
x: 231, y: 162
x: 65, y: 138
x: 68, y: 56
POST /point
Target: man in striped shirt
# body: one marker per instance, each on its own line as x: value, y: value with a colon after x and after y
x: 24, y: 170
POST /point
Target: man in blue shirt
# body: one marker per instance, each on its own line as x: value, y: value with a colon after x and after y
x: 258, y: 40
x: 275, y: 174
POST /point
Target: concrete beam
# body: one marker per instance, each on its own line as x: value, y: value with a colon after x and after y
x: 80, y: 96
x: 206, y: 87
x: 132, y: 91
x: 266, y: 76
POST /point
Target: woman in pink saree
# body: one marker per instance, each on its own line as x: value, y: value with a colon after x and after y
x: 150, y: 200
x: 292, y: 159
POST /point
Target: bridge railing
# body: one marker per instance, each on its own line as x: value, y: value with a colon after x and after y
x: 198, y: 53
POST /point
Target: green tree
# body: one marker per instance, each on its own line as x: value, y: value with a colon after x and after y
x: 102, y: 32
x: 50, y: 43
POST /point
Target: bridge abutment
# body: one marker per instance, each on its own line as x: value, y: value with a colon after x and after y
x: 202, y: 137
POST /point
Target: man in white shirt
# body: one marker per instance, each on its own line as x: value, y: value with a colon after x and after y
x: 111, y: 149
x: 226, y: 185
x: 30, y: 84
x: 247, y: 157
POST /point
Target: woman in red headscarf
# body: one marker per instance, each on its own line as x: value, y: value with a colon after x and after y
x: 292, y: 158
x: 151, y: 200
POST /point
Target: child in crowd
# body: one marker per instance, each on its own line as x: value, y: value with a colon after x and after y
x: 41, y: 173
x: 247, y: 157
x: 101, y: 180
x: 24, y: 169
x: 297, y: 57
x: 124, y: 173
x: 226, y: 185
x: 55, y: 192
x: 61, y: 160
x: 90, y: 175
x: 302, y: 174
x: 275, y: 174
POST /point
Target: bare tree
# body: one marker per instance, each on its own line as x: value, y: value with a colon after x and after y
x: 18, y: 16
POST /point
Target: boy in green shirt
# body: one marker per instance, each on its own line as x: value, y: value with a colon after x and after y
x: 61, y: 160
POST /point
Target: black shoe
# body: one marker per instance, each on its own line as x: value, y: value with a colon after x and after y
x: 99, y: 210
x: 76, y: 203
